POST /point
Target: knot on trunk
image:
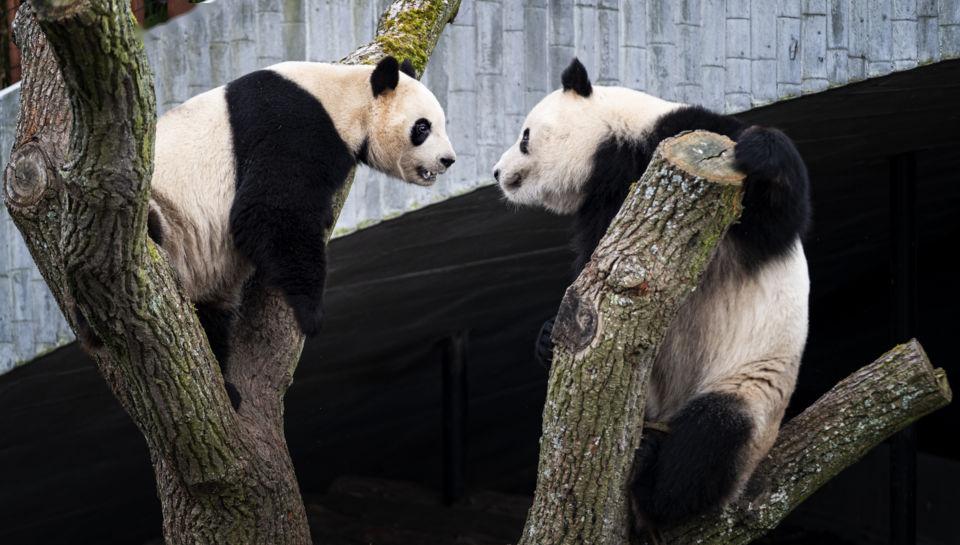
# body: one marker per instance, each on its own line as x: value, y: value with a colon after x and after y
x: 576, y: 323
x: 27, y: 176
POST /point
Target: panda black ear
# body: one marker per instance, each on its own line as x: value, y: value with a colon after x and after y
x: 407, y: 68
x: 575, y: 77
x: 385, y: 76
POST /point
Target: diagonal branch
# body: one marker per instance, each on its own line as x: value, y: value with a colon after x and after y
x: 833, y: 433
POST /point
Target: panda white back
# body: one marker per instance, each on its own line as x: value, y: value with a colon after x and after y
x: 193, y: 189
x: 728, y: 364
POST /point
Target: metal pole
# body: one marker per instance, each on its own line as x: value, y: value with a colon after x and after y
x: 903, y: 451
x: 454, y: 394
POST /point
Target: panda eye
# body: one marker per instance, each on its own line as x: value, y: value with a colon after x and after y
x: 420, y: 132
x: 525, y: 142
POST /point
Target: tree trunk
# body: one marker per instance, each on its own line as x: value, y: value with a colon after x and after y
x: 836, y: 431
x: 77, y: 187
x: 608, y: 329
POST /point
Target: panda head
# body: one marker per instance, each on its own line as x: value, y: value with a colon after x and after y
x: 553, y: 158
x: 408, y: 133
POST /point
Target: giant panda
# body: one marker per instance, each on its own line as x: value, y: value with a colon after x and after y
x: 728, y: 363
x: 245, y: 175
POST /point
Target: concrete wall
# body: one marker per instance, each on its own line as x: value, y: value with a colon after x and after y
x: 498, y: 59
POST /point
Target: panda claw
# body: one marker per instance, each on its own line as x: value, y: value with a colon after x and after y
x: 543, y: 353
x: 311, y: 325
x: 309, y: 316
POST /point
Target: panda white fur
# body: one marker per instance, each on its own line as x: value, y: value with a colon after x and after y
x: 729, y: 361
x: 245, y: 175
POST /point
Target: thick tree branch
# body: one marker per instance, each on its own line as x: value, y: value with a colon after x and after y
x: 833, y: 433
x: 80, y: 203
x: 608, y: 329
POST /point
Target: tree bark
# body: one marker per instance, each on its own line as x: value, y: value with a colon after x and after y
x: 833, y: 433
x: 77, y: 186
x: 608, y: 329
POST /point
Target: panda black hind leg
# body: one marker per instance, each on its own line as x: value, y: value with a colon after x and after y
x: 217, y: 321
x: 695, y: 466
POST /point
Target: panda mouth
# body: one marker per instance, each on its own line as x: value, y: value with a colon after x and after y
x: 515, y: 183
x: 428, y: 176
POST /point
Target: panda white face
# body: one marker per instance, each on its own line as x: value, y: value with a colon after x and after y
x: 408, y: 133
x: 552, y: 159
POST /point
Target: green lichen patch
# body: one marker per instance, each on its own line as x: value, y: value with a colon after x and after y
x: 407, y: 34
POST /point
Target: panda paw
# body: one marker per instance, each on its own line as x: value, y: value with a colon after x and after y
x: 309, y: 314
x: 543, y: 352
x: 642, y: 488
x: 762, y: 153
x: 233, y: 394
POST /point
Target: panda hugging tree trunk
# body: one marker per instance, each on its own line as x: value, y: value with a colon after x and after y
x: 711, y: 314
x: 78, y: 186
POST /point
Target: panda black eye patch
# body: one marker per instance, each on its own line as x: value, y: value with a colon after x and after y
x: 525, y: 142
x: 420, y: 131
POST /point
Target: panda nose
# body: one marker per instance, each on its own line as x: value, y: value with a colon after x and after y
x: 496, y: 174
x: 447, y: 161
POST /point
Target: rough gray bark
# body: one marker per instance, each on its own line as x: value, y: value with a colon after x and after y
x: 608, y: 329
x: 833, y: 433
x: 77, y: 187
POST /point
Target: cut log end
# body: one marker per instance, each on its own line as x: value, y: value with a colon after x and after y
x: 914, y: 351
x: 704, y: 155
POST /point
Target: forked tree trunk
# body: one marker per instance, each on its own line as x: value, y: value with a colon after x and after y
x: 608, y: 330
x: 77, y: 187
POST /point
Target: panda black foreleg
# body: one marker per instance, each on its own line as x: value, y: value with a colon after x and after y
x: 301, y: 276
x: 217, y: 322
x: 543, y: 351
x: 776, y: 199
x: 697, y: 465
x: 287, y: 248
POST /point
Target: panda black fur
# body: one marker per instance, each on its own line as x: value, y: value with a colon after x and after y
x: 729, y: 361
x: 245, y: 176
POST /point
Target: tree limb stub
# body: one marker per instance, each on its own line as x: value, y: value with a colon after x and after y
x: 77, y: 187
x: 833, y: 433
x: 608, y: 330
